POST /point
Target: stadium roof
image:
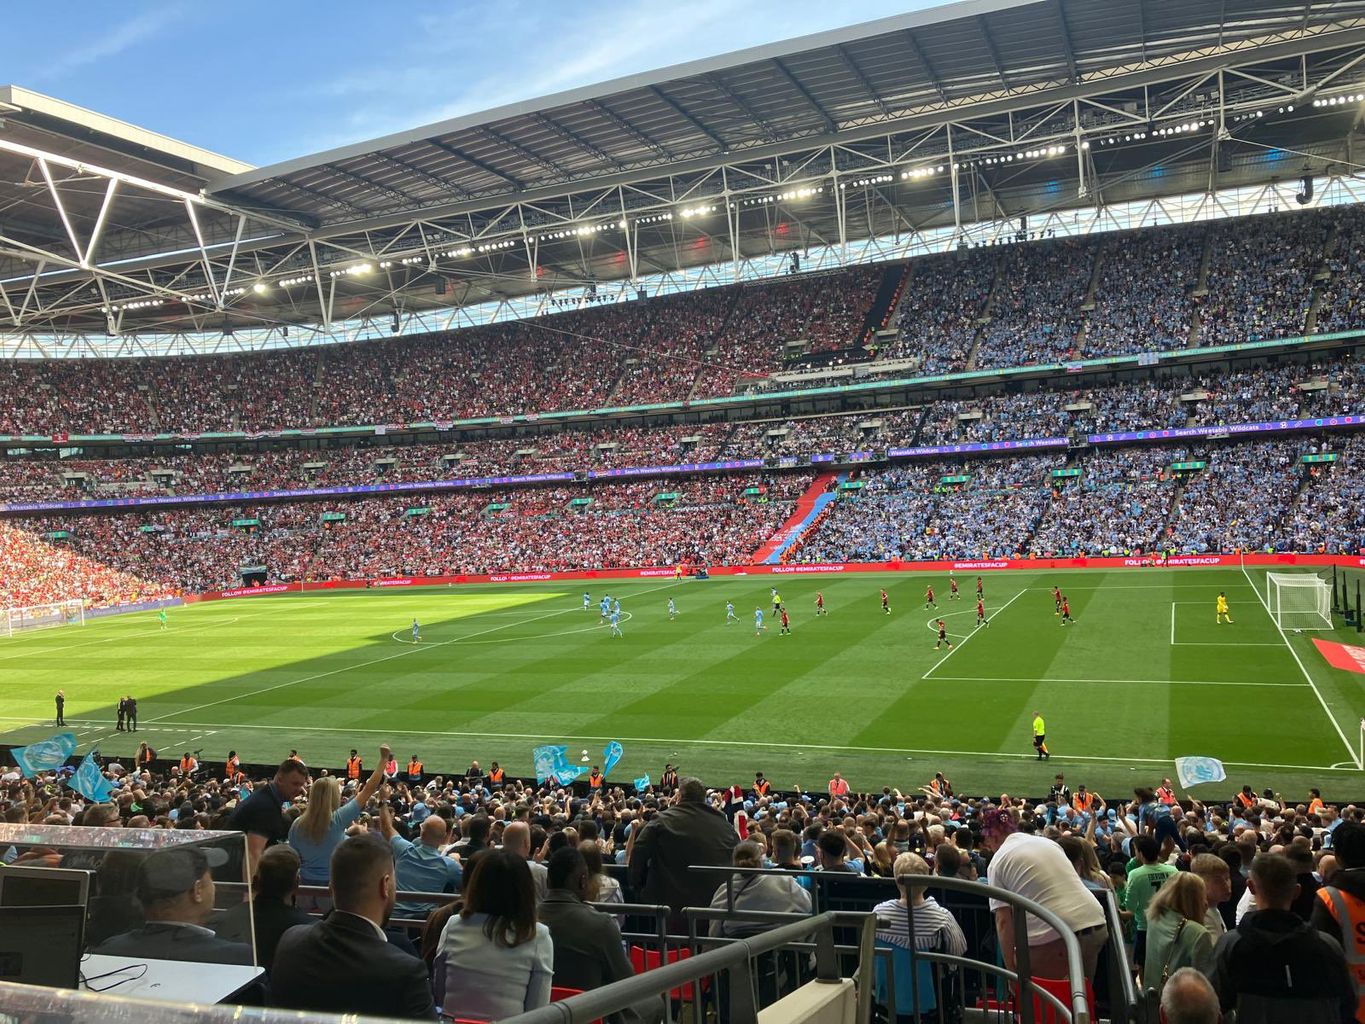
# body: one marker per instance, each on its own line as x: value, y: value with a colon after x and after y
x: 979, y: 110
x: 842, y: 85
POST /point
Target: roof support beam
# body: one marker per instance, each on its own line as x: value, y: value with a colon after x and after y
x: 100, y: 221
x: 577, y: 140
x: 474, y: 161
x: 916, y: 51
x: 325, y: 199
x: 635, y: 133
x: 417, y: 172
x: 847, y: 60
x: 984, y: 29
x: 530, y: 155
x: 805, y: 94
x: 388, y: 190
x: 678, y: 108
x: 719, y: 85
x: 1064, y: 36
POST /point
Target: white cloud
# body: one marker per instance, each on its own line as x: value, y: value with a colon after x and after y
x: 518, y: 52
x: 113, y: 42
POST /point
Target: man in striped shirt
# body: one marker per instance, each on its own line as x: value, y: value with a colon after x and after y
x: 936, y: 930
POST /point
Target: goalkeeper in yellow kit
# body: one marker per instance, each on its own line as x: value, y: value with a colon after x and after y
x: 1223, y: 609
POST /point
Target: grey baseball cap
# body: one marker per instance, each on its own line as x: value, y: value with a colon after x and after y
x: 170, y: 873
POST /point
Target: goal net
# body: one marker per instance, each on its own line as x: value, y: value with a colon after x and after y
x: 1299, y: 600
x: 45, y: 616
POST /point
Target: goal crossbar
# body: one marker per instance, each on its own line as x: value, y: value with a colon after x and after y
x: 1299, y: 600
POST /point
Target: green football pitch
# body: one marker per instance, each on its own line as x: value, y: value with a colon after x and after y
x: 1142, y: 676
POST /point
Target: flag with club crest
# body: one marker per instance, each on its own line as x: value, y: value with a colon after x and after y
x: 1193, y: 771
x: 611, y: 753
x: 90, y: 782
x: 45, y: 755
x: 552, y: 762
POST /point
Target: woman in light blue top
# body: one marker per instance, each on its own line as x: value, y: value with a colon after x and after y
x: 322, y: 826
x: 495, y: 959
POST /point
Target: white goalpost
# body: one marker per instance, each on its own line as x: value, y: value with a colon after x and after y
x: 45, y: 616
x: 1298, y: 600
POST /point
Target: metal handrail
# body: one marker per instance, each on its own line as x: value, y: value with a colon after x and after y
x: 735, y: 957
x: 1120, y: 977
x: 1080, y: 1006
x: 611, y: 998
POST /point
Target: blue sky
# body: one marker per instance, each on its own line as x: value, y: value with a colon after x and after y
x: 264, y: 82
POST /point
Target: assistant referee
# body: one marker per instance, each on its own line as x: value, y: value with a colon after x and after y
x: 1040, y: 736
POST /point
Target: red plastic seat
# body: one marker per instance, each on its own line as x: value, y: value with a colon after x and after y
x: 558, y: 992
x: 647, y: 959
x: 1043, y: 1010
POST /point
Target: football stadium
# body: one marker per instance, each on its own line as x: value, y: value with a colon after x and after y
x: 889, y: 441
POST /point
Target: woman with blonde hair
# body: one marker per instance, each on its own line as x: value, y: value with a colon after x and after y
x: 322, y: 826
x: 1176, y: 936
x: 1082, y: 856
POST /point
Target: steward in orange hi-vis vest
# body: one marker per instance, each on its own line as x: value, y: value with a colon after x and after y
x: 1348, y: 912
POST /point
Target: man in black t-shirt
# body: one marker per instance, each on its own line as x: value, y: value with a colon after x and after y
x: 261, y: 815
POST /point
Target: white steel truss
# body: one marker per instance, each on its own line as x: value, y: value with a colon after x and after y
x: 229, y: 278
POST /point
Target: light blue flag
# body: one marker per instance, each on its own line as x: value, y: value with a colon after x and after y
x: 612, y: 753
x: 641, y: 784
x: 1193, y: 770
x: 45, y: 755
x: 90, y: 782
x: 564, y: 772
x: 547, y: 758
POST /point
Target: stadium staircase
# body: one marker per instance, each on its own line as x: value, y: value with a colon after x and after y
x: 808, y: 507
x: 1201, y: 289
x: 153, y: 417
x: 985, y: 318
x: 313, y: 400
x: 1088, y: 303
x: 887, y: 300
x: 1322, y: 278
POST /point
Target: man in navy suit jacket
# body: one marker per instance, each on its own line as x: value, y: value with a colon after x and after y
x: 344, y: 963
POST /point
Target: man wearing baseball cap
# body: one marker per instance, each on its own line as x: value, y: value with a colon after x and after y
x: 175, y: 888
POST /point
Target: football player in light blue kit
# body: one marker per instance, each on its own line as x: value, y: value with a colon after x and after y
x: 587, y: 600
x: 672, y: 609
x: 616, y: 623
x: 758, y: 622
x: 416, y: 632
x: 605, y: 608
x: 616, y: 606
x: 730, y: 615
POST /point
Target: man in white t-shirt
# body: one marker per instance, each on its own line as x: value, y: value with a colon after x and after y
x: 1037, y: 869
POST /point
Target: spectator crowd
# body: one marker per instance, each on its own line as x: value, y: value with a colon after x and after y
x: 1044, y: 301
x: 1215, y: 898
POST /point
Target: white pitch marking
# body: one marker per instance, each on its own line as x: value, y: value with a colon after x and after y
x: 676, y: 742
x: 964, y: 642
x: 376, y: 661
x: 120, y: 636
x: 1167, y: 682
x: 1302, y: 668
